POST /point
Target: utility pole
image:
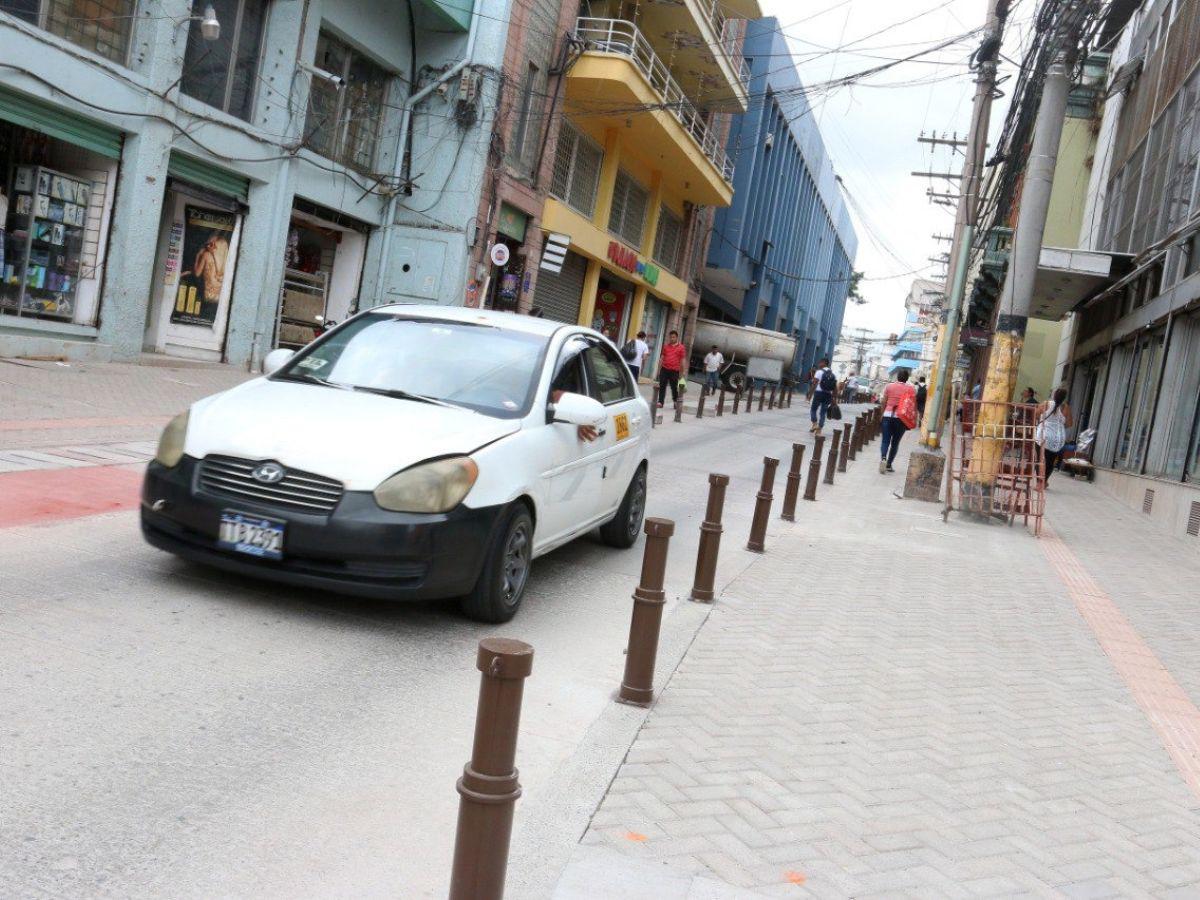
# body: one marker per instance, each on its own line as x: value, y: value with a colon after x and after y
x: 927, y: 462
x: 1016, y: 297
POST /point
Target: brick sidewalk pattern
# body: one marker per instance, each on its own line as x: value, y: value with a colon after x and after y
x: 893, y: 704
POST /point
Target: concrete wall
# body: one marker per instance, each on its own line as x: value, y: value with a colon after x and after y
x: 428, y: 257
x: 1172, y: 502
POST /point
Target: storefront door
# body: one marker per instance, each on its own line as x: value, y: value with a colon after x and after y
x: 198, y: 244
x: 613, y: 301
x: 654, y: 322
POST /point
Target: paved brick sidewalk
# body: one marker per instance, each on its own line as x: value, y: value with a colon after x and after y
x: 50, y: 404
x: 887, y: 704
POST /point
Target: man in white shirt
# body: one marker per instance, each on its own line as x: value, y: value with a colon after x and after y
x: 712, y: 369
x: 824, y: 384
x: 641, y: 351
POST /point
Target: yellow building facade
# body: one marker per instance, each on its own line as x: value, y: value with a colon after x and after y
x: 640, y: 153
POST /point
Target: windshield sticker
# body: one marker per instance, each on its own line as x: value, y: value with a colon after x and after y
x: 311, y: 362
x: 509, y: 404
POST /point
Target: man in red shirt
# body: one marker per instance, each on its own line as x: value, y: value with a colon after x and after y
x: 673, y: 353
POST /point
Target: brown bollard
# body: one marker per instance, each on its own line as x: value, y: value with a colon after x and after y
x: 710, y: 540
x: 762, y: 506
x: 700, y: 406
x: 814, y: 469
x: 637, y: 687
x: 771, y: 405
x: 489, y: 788
x: 792, y: 491
x: 721, y: 403
x: 831, y: 462
x: 678, y: 410
x: 737, y: 398
x: 762, y: 397
x: 856, y: 432
x: 845, y: 455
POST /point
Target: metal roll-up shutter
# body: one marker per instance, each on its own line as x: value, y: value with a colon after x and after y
x: 558, y: 295
x: 206, y: 175
x: 60, y: 123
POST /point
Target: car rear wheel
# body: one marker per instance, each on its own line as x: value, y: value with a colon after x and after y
x: 623, y: 529
x: 497, y: 594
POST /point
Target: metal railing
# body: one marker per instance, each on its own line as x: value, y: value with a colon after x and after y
x: 623, y: 38
x: 720, y: 25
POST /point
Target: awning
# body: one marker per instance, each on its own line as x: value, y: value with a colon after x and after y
x: 1065, y: 278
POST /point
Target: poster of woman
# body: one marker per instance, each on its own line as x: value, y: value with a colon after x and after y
x: 206, y: 236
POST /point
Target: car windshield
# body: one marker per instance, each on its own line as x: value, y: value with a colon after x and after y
x: 490, y: 370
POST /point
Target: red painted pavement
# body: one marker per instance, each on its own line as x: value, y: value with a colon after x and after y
x: 51, y: 495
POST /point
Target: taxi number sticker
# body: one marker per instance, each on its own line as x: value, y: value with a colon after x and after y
x: 621, y: 421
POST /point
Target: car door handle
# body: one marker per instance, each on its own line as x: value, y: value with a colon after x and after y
x: 601, y: 432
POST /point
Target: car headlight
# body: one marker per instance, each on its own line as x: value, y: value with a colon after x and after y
x: 170, y: 445
x: 433, y: 487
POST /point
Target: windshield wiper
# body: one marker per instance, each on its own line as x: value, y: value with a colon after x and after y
x: 404, y: 395
x: 309, y: 378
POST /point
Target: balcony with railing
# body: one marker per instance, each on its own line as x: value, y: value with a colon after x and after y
x: 620, y: 81
x: 701, y: 44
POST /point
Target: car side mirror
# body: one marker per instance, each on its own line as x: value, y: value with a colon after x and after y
x: 276, y: 360
x: 576, y: 409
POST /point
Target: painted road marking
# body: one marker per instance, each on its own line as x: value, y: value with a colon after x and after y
x: 51, y: 495
x: 1168, y: 707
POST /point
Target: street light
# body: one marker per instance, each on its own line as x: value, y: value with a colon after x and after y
x: 210, y: 28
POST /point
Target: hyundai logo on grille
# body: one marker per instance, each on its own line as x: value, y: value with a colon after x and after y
x: 268, y: 473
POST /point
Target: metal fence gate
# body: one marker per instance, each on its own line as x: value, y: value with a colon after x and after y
x: 996, y: 467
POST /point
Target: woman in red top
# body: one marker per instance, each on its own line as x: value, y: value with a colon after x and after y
x: 893, y: 427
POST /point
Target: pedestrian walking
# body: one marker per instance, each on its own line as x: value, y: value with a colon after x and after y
x: 823, y: 387
x: 712, y: 369
x: 669, y: 368
x: 899, y: 414
x: 1053, y: 420
x: 808, y: 383
x: 922, y: 395
x: 635, y: 353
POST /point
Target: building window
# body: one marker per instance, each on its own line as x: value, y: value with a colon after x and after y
x: 102, y: 26
x: 668, y: 240
x: 222, y: 73
x: 344, y: 117
x: 525, y: 130
x: 628, y: 215
x: 576, y: 174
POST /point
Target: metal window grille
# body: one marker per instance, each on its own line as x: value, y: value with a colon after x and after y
x: 344, y: 119
x: 102, y: 26
x: 576, y: 173
x: 668, y: 239
x: 1193, y: 523
x: 1148, y: 501
x: 628, y: 216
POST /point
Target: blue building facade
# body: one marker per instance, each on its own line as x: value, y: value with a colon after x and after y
x: 782, y: 255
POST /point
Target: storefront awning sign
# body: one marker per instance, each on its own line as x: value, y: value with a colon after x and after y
x: 500, y: 255
x: 621, y: 256
x: 554, y: 254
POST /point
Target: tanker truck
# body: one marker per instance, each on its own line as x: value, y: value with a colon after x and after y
x: 749, y: 352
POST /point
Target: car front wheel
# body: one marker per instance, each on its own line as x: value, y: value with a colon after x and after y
x: 623, y: 529
x: 501, y: 585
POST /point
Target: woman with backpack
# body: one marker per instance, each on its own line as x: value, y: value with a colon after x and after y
x: 1053, y: 420
x: 899, y: 405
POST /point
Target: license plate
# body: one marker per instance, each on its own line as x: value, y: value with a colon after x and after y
x: 252, y: 535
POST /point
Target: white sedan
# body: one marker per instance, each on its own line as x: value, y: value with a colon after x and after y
x: 411, y: 452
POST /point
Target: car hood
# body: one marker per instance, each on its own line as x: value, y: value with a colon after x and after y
x: 357, y: 438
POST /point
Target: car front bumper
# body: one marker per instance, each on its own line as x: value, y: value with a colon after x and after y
x: 358, y: 549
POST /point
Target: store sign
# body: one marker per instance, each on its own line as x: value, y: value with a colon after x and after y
x: 500, y: 255
x: 206, y: 237
x: 512, y: 222
x: 622, y: 256
x: 554, y: 254
x: 976, y: 337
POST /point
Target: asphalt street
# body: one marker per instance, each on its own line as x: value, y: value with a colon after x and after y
x: 171, y: 730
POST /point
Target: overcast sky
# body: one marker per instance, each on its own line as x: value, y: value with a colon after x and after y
x: 871, y: 129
